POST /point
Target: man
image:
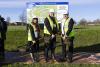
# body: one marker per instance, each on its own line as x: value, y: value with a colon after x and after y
x: 51, y: 28
x: 67, y: 35
x: 3, y: 30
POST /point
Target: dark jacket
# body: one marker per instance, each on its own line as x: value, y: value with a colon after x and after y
x: 47, y: 24
x: 70, y: 26
x: 3, y: 29
x: 32, y: 31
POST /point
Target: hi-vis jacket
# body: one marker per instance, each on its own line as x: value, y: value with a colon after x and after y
x: 31, y: 35
x: 48, y: 28
x: 68, y: 27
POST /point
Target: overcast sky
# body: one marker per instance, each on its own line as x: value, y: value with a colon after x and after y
x: 88, y: 9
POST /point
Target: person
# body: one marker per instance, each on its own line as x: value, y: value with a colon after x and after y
x: 3, y: 30
x: 51, y: 28
x: 33, y: 39
x: 67, y: 36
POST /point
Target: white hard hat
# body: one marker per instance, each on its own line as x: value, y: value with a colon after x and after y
x: 34, y: 16
x: 65, y: 12
x: 51, y: 10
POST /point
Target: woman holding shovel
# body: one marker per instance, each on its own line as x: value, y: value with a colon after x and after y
x: 33, y: 39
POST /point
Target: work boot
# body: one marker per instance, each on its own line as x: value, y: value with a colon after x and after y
x: 54, y: 61
x: 47, y: 60
x: 70, y: 57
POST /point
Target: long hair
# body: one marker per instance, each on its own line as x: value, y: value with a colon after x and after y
x: 36, y: 24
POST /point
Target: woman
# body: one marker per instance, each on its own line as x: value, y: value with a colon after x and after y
x: 33, y: 39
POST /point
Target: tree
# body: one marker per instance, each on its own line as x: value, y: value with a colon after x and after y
x: 22, y: 17
x: 83, y: 22
x: 97, y: 21
x: 8, y: 20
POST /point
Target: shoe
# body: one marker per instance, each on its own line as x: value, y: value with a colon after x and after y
x: 54, y: 61
x: 64, y: 59
x: 70, y: 57
x: 46, y: 60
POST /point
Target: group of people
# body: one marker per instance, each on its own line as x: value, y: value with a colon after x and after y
x: 3, y: 30
x: 51, y: 29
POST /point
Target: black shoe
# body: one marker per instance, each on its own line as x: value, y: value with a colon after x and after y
x: 63, y: 59
x: 70, y: 57
x: 46, y: 60
x: 37, y: 60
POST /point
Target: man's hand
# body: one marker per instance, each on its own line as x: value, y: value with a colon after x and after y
x: 34, y: 42
x: 66, y: 36
x: 63, y: 37
x: 53, y: 36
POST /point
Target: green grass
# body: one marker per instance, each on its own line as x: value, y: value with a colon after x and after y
x: 87, y: 38
x: 84, y: 36
x: 52, y: 65
x: 16, y: 36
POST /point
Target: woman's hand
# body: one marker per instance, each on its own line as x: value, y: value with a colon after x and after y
x: 34, y: 42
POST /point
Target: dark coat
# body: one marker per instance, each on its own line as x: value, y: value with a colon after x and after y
x: 70, y: 26
x: 47, y: 24
x: 3, y: 28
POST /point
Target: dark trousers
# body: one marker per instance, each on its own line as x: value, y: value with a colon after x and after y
x: 34, y: 49
x: 64, y: 46
x: 50, y: 44
x: 2, y: 54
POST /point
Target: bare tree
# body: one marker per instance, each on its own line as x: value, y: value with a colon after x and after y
x: 83, y: 22
x: 97, y: 21
x: 8, y: 20
x: 22, y: 17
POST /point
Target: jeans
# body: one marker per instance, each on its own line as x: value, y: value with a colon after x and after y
x: 34, y: 49
x: 51, y: 45
x: 70, y: 47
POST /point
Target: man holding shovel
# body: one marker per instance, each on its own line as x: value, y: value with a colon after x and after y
x: 67, y: 36
x: 51, y: 28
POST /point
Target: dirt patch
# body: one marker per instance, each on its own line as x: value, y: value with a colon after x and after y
x: 79, y: 58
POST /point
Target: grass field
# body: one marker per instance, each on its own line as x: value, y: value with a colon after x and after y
x: 53, y: 65
x: 87, y: 39
x: 84, y: 37
x: 16, y: 36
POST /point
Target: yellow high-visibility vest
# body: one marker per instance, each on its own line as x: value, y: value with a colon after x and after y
x: 29, y: 33
x: 51, y: 25
x: 66, y: 28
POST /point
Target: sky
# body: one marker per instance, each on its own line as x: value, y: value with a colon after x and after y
x: 78, y: 9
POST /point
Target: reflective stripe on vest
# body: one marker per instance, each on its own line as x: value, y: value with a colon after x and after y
x: 29, y: 35
x: 66, y: 28
x: 51, y: 25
